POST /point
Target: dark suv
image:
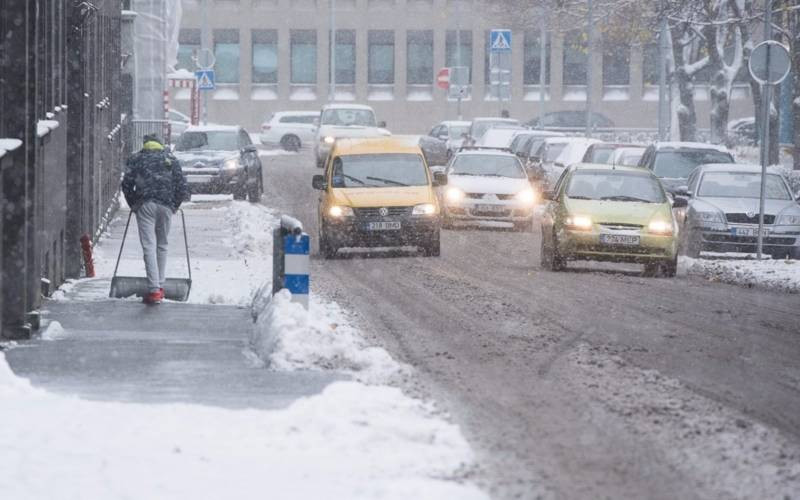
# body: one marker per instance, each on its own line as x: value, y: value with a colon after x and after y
x: 672, y: 162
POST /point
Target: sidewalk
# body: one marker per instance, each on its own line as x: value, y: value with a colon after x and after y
x: 122, y: 350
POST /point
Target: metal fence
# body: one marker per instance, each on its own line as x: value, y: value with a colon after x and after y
x: 141, y: 128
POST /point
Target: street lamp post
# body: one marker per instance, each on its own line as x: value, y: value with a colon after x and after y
x: 332, y: 94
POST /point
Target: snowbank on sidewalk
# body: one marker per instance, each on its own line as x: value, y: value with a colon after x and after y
x: 783, y: 275
x: 287, y: 337
x: 351, y: 441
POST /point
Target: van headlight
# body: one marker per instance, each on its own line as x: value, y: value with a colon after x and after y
x: 424, y: 209
x: 660, y: 227
x: 328, y: 140
x: 339, y: 211
x: 231, y: 165
x: 454, y: 195
x: 527, y: 197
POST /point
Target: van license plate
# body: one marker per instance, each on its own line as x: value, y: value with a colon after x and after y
x: 620, y: 239
x: 383, y: 226
x: 490, y: 208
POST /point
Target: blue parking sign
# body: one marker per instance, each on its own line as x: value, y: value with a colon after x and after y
x: 205, y: 79
x: 500, y: 41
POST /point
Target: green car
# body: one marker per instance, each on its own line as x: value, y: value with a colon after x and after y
x: 608, y: 213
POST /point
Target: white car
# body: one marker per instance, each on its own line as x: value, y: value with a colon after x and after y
x: 290, y: 129
x: 628, y: 157
x: 452, y: 132
x: 558, y: 153
x: 178, y: 123
x: 485, y: 185
x: 499, y: 137
x: 345, y: 120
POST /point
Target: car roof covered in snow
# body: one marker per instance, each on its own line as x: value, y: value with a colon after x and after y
x: 736, y: 167
x: 456, y: 123
x: 295, y: 113
x: 478, y: 151
x: 348, y: 106
x: 374, y: 145
x: 496, y: 119
x: 606, y: 166
x: 213, y: 128
x: 691, y: 145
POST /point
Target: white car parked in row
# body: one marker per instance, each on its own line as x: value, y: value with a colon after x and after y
x: 290, y: 129
x: 345, y: 120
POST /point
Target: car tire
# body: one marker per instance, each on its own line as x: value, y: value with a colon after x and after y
x: 434, y: 247
x: 669, y: 269
x: 327, y: 250
x: 691, y: 245
x: 523, y: 227
x: 240, y: 193
x: 255, y: 190
x: 794, y: 253
x: 550, y: 259
x: 291, y: 142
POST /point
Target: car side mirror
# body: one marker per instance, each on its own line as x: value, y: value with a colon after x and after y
x: 439, y: 179
x: 549, y: 195
x: 250, y: 148
x: 443, y: 137
x: 680, y: 202
x: 382, y: 124
x: 318, y: 181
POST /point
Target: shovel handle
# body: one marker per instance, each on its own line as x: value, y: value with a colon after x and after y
x: 122, y: 245
x: 186, y: 242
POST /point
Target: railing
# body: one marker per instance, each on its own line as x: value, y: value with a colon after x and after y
x: 141, y: 128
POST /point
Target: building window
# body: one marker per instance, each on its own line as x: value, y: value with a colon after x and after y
x: 616, y: 62
x: 650, y: 64
x: 420, y: 57
x: 265, y: 56
x: 381, y: 57
x: 226, y: 53
x: 576, y: 58
x: 345, y: 56
x: 304, y: 56
x: 459, y: 54
x: 188, y: 46
x: 533, y: 58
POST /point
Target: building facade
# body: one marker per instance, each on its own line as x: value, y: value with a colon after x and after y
x: 274, y: 55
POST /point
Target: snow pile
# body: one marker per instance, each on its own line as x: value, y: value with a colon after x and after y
x: 351, y: 441
x: 781, y: 274
x: 53, y: 331
x: 720, y: 452
x: 287, y: 337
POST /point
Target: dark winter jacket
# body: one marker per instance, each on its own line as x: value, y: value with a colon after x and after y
x: 153, y: 174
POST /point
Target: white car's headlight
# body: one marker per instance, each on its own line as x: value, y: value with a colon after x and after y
x: 709, y: 217
x: 339, y: 211
x: 424, y: 209
x: 231, y: 165
x: 527, y: 197
x: 789, y: 220
x: 582, y: 222
x: 328, y: 140
x: 660, y: 227
x: 454, y: 195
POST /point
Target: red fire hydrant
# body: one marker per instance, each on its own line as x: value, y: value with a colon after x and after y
x: 88, y: 261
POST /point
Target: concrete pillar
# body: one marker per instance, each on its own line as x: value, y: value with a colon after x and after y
x: 557, y: 68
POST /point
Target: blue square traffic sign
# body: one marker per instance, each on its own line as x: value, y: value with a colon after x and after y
x: 205, y: 79
x: 500, y: 40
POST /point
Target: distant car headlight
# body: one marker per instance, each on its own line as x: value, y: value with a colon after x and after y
x: 339, y: 211
x: 424, y: 209
x: 580, y: 222
x: 328, y: 140
x: 660, y: 227
x: 454, y: 195
x: 789, y: 220
x: 708, y: 218
x: 527, y: 197
x: 231, y: 165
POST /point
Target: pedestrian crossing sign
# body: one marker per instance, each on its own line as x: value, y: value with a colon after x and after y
x: 205, y: 79
x: 500, y: 40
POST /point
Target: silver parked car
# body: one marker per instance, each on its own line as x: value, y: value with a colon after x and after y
x: 723, y: 211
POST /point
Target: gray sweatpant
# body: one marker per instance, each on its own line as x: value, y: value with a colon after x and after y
x: 154, y: 221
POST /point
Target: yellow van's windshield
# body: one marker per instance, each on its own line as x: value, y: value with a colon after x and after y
x: 379, y: 170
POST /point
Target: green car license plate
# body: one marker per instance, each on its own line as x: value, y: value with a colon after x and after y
x: 383, y: 226
x: 620, y: 239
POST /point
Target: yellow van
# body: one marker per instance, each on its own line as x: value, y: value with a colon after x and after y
x: 378, y: 192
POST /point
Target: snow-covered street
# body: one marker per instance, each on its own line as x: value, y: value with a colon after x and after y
x: 329, y: 422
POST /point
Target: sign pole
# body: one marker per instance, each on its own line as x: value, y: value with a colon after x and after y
x: 766, y: 97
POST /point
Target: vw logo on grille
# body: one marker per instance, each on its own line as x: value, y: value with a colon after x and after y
x: 199, y: 165
x: 383, y: 212
x: 750, y: 215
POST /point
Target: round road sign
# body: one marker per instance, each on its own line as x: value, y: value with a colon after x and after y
x: 769, y: 63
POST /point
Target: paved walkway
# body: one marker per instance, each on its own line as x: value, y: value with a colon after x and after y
x: 122, y: 350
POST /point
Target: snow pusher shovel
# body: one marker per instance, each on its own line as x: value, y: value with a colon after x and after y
x: 129, y: 286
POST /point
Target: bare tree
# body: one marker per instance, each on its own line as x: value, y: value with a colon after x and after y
x: 787, y: 13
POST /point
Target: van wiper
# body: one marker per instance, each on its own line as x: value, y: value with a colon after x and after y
x: 624, y: 198
x: 354, y: 179
x: 386, y: 181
